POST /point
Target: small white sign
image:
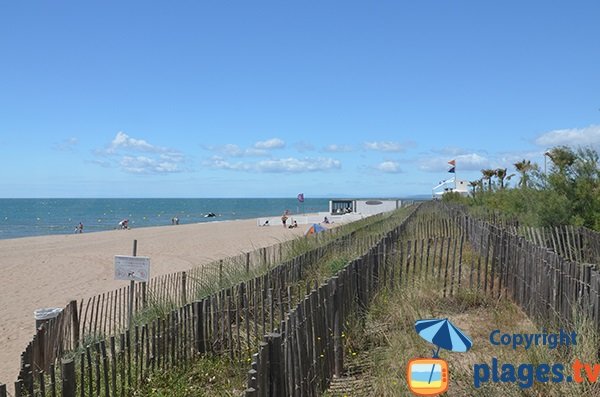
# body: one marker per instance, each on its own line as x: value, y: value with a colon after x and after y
x: 136, y: 268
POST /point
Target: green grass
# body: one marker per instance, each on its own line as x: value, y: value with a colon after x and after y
x: 209, y: 376
x: 218, y: 376
x: 387, y: 339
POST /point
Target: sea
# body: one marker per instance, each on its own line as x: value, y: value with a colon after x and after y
x: 40, y: 217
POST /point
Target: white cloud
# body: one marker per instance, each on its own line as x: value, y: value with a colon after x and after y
x: 232, y: 150
x: 290, y: 164
x: 388, y: 146
x: 147, y: 165
x: 223, y: 164
x: 391, y: 167
x: 338, y: 148
x: 508, y: 159
x: 298, y: 165
x: 571, y: 137
x: 124, y: 141
x: 236, y: 151
x: 125, y: 152
x: 464, y: 162
x: 259, y: 149
x: 100, y: 162
x: 274, y: 143
x: 66, y: 145
x: 303, y: 146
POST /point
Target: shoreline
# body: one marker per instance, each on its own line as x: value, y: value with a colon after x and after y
x: 50, y: 270
x: 58, y: 216
x: 58, y: 235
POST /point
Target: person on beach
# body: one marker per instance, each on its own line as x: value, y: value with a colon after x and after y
x: 325, y: 220
x: 79, y: 228
x: 294, y: 225
x: 284, y: 218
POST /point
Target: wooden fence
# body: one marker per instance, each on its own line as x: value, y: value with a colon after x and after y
x: 301, y: 358
x: 306, y: 351
x: 231, y: 321
x: 541, y: 274
x: 295, y: 327
x: 578, y: 244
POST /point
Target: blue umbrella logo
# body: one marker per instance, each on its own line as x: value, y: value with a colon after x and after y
x: 443, y: 334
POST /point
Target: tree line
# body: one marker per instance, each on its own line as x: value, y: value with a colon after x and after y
x: 566, y: 190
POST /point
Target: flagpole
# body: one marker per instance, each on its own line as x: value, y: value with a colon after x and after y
x: 453, y: 171
x: 455, y: 176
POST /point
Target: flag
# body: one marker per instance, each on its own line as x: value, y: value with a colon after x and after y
x: 452, y: 162
x: 301, y: 197
x: 452, y: 170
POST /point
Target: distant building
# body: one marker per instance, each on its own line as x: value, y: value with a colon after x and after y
x: 363, y: 207
x: 340, y: 211
x: 461, y: 187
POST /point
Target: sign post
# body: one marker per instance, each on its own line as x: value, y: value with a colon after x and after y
x: 133, y: 268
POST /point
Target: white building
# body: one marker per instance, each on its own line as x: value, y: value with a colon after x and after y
x: 364, y: 207
x: 340, y: 211
x: 446, y: 186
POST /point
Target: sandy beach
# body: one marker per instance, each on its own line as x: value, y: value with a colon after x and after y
x: 49, y: 271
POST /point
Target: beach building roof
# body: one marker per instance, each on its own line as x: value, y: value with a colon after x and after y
x: 449, y: 185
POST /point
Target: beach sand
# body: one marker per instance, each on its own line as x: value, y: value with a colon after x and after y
x: 49, y: 271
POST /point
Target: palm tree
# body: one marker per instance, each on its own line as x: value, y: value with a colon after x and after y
x: 488, y: 174
x: 473, y: 185
x: 524, y: 167
x: 501, y: 175
x: 562, y: 157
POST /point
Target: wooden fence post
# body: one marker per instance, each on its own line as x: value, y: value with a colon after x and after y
x: 200, y: 342
x: 275, y: 365
x: 338, y: 350
x: 252, y: 378
x: 68, y: 378
x: 75, y: 322
x: 183, y: 288
x: 19, y: 388
x: 144, y: 294
x: 28, y: 379
x: 263, y: 369
x: 2, y: 390
x: 220, y: 273
x: 131, y: 291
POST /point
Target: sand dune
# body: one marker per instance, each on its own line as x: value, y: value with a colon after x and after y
x: 51, y: 270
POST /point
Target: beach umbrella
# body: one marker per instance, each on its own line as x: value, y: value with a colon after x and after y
x: 314, y: 228
x: 443, y: 334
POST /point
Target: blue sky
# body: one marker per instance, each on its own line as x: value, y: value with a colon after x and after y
x: 269, y: 99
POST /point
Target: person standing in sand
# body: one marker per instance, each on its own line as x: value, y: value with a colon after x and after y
x: 284, y: 218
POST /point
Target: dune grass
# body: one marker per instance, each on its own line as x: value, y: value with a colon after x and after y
x: 206, y: 377
x: 386, y: 340
x: 213, y: 375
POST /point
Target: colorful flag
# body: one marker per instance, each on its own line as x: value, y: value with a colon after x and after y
x: 452, y: 170
x: 452, y: 162
x: 301, y: 197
